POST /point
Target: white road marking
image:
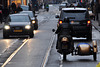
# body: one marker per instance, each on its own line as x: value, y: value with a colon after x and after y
x: 61, y: 60
x: 10, y: 45
x: 48, y: 52
x: 13, y: 54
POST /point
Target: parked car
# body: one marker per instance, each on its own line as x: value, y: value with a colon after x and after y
x: 18, y: 24
x: 80, y: 21
x: 33, y: 18
x: 25, y: 8
x: 63, y: 5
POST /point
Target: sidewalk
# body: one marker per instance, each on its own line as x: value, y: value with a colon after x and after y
x: 1, y: 25
x: 95, y: 23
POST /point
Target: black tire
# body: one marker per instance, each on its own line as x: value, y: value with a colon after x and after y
x: 64, y: 56
x: 89, y: 37
x: 36, y: 27
x: 5, y: 36
x: 95, y: 56
x: 31, y: 34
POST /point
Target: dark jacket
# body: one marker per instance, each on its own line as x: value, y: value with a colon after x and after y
x: 1, y: 8
x: 64, y: 29
x: 5, y: 11
x: 19, y: 9
x: 13, y: 5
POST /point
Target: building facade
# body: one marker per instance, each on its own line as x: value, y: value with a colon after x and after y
x: 17, y: 2
x: 8, y: 2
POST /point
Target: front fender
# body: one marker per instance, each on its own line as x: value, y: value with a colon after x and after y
x: 94, y: 46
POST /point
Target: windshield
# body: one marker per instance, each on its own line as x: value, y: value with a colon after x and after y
x: 29, y: 13
x: 78, y: 15
x: 19, y: 18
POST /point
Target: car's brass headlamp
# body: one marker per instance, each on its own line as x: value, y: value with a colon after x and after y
x: 33, y: 21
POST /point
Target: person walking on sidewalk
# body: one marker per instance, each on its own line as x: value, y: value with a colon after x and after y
x: 30, y: 5
x: 13, y: 6
x: 19, y: 9
x: 5, y: 12
x: 1, y: 8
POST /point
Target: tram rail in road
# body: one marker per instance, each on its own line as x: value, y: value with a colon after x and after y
x: 48, y: 52
x: 24, y: 42
x: 14, y: 53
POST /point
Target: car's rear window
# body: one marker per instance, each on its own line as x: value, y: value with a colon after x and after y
x: 78, y: 15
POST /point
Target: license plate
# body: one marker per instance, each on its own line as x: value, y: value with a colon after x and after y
x: 17, y: 30
x: 75, y: 22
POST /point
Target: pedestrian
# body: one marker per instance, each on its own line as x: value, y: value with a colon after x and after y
x: 92, y: 4
x: 1, y: 8
x: 19, y: 9
x: 5, y: 12
x: 13, y: 6
x: 10, y: 10
x: 30, y: 5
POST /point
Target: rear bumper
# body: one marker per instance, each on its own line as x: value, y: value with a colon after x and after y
x: 81, y: 31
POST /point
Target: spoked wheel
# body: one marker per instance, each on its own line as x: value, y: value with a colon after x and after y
x: 64, y: 56
x: 95, y: 56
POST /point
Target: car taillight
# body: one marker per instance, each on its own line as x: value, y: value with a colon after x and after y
x: 88, y: 23
x: 0, y: 11
x: 60, y: 22
x: 81, y: 1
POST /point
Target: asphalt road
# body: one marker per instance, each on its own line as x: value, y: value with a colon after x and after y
x: 55, y: 59
x: 32, y: 52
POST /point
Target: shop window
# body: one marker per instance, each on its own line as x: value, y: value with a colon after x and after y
x: 24, y: 2
x: 17, y: 2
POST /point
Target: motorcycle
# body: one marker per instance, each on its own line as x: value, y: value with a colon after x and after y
x: 83, y: 49
x: 65, y: 45
x: 47, y: 9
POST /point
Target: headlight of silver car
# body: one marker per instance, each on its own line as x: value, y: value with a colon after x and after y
x: 33, y: 21
x: 27, y: 27
x: 7, y: 27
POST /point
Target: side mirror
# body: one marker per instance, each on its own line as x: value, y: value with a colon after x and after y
x: 53, y: 30
x: 57, y: 16
x: 92, y: 16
